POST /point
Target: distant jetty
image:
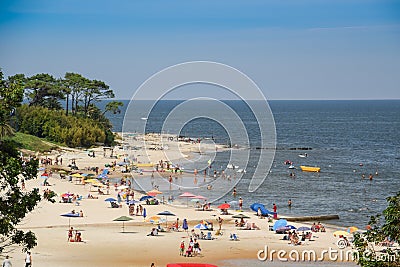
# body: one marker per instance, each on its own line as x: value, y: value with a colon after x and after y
x: 313, y: 218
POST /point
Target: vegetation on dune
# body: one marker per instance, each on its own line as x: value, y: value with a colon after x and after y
x: 79, y: 124
x: 384, y: 230
x: 30, y: 142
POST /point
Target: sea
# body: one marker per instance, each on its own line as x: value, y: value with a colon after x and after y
x: 349, y: 140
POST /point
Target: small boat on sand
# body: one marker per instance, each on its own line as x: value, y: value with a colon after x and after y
x: 310, y: 169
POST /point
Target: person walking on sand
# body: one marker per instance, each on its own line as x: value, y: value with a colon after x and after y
x: 220, y: 220
x: 28, y: 259
x: 6, y: 262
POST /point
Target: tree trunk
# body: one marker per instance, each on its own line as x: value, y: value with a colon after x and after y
x: 66, y: 107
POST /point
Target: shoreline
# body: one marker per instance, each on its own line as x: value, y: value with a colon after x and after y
x: 105, y: 245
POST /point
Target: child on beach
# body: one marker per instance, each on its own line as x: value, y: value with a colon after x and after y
x: 182, y: 248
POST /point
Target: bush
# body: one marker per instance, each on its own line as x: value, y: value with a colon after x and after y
x: 57, y: 127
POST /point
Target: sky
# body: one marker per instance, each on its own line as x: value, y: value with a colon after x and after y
x: 292, y: 49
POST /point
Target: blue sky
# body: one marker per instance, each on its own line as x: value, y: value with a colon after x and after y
x: 292, y: 49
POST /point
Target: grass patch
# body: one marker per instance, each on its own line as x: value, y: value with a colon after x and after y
x: 33, y: 143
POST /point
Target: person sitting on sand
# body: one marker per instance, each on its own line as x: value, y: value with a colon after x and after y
x: 153, y: 232
x: 78, y: 237
x: 202, y: 235
x: 314, y: 228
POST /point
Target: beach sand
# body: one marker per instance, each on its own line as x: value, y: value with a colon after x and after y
x: 104, y: 243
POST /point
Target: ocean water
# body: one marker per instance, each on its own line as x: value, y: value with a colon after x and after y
x: 341, y: 136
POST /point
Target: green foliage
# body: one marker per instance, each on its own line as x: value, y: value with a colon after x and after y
x: 44, y: 90
x: 56, y: 126
x: 388, y: 228
x: 15, y: 203
x: 11, y: 95
x: 31, y: 142
x: 42, y: 118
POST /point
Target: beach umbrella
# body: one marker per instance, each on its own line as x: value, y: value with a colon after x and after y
x: 201, y: 226
x: 77, y: 175
x: 255, y: 206
x: 44, y: 174
x: 279, y: 223
x: 240, y: 216
x: 283, y: 228
x: 303, y: 229
x: 166, y: 213
x: 145, y: 198
x: 41, y: 169
x: 185, y: 225
x: 70, y: 215
x: 339, y: 233
x: 199, y: 197
x: 123, y: 219
x: 224, y: 206
x: 291, y: 227
x: 62, y: 172
x: 133, y: 202
x: 187, y: 195
x: 154, y: 193
x: 351, y: 229
x: 154, y: 219
x: 110, y: 199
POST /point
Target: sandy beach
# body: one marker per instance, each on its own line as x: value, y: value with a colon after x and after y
x: 104, y: 243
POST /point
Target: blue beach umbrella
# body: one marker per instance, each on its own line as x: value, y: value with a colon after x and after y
x: 255, y: 206
x: 279, y: 223
x: 110, y: 199
x: 201, y: 226
x: 70, y: 215
x: 291, y: 227
x: 145, y: 197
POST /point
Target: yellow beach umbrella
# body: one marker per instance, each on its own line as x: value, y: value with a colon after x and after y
x: 341, y: 232
x: 351, y: 229
x: 91, y: 181
x: 77, y: 175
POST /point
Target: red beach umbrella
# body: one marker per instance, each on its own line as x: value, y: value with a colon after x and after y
x: 224, y: 206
